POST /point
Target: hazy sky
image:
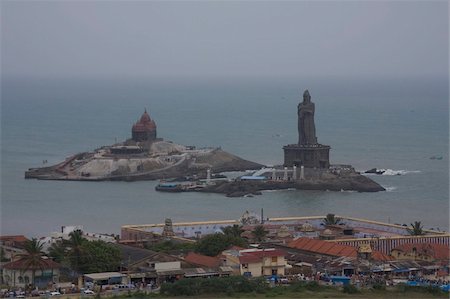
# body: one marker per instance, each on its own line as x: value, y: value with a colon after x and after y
x: 296, y: 38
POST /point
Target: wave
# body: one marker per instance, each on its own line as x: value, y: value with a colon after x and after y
x: 382, y: 171
x: 399, y: 172
x: 390, y: 189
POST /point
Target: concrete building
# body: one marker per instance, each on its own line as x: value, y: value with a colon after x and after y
x: 262, y: 262
x: 20, y: 274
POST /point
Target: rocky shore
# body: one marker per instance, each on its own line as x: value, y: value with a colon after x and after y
x: 347, y: 182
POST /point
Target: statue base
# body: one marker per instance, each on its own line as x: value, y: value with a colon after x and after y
x: 307, y: 155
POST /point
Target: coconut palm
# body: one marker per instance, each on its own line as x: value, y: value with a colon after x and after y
x: 233, y: 231
x: 259, y: 233
x: 33, y: 257
x: 76, y: 250
x: 330, y: 219
x: 416, y: 229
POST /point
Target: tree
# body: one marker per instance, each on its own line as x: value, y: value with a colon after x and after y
x: 233, y: 231
x: 83, y: 256
x: 33, y: 257
x: 214, y: 244
x: 259, y: 233
x: 99, y: 256
x: 330, y: 219
x: 58, y: 251
x: 76, y: 251
x: 416, y: 229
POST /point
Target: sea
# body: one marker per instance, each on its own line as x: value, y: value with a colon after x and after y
x: 396, y: 124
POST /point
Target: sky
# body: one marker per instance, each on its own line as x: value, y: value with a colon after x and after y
x: 243, y: 39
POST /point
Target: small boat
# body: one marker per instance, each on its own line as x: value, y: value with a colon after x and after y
x: 174, y: 187
x: 169, y: 187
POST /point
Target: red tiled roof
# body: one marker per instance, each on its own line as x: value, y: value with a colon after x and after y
x: 257, y: 256
x: 22, y: 265
x: 329, y: 248
x: 15, y: 238
x: 202, y: 260
x: 437, y: 251
x: 379, y: 256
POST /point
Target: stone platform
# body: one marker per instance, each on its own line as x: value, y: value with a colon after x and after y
x: 308, y: 155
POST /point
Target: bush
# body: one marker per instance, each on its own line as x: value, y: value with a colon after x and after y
x: 350, y: 289
x: 312, y: 286
x: 214, y: 285
x: 379, y: 286
x: 297, y: 287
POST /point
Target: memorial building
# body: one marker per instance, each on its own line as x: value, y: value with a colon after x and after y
x: 144, y: 129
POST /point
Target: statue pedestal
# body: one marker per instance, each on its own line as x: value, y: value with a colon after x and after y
x: 308, y: 155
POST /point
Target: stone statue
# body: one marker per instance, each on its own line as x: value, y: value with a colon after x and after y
x: 306, y: 127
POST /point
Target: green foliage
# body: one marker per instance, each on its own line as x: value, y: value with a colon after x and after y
x: 416, y: 229
x: 404, y: 288
x: 85, y: 256
x: 312, y: 286
x: 214, y: 244
x: 330, y: 219
x: 57, y: 251
x: 214, y: 285
x: 233, y: 231
x: 379, y: 286
x: 169, y: 246
x: 350, y: 289
x: 99, y: 256
x: 2, y: 256
x: 259, y: 233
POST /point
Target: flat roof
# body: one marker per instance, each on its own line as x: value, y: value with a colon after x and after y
x: 104, y: 275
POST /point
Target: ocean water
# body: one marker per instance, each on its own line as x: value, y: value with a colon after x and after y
x: 391, y: 124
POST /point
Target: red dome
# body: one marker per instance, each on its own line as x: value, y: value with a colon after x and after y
x: 145, y: 123
x: 145, y: 118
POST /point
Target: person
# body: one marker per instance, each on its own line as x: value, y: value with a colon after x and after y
x: 306, y: 126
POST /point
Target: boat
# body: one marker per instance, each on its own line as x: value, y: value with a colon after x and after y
x: 174, y: 187
x: 169, y: 187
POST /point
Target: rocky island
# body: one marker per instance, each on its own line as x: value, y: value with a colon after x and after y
x: 146, y: 157
x: 143, y: 157
x: 306, y: 167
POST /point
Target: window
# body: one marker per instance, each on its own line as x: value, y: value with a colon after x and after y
x: 274, y: 259
x: 245, y: 266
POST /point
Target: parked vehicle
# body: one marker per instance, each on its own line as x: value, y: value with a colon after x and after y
x: 55, y: 294
x: 88, y: 292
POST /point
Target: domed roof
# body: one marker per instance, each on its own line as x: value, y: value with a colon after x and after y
x: 145, y: 123
x: 307, y: 227
x: 283, y: 231
x: 327, y: 232
x: 145, y: 118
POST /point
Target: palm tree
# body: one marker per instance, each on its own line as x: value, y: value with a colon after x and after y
x: 76, y: 251
x: 233, y: 231
x: 58, y: 251
x: 416, y: 229
x: 33, y: 257
x: 259, y: 233
x: 330, y: 219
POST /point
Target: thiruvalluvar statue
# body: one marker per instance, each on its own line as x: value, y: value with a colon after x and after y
x: 306, y: 126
